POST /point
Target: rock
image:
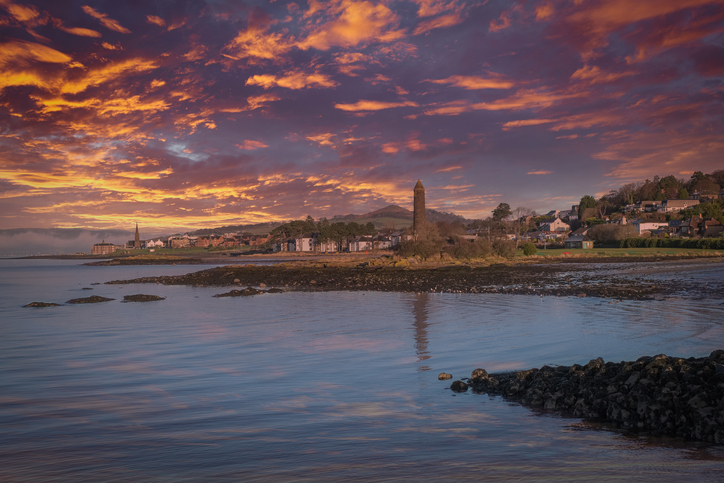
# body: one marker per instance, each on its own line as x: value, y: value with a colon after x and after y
x: 236, y: 280
x: 479, y: 374
x: 262, y: 285
x: 444, y: 376
x: 142, y: 298
x: 248, y: 291
x: 41, y: 304
x: 459, y: 386
x: 93, y: 299
x: 275, y: 290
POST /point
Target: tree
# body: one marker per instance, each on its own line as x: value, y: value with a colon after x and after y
x: 426, y: 244
x: 502, y: 212
x: 669, y: 187
x: 587, y: 202
x: 523, y: 222
x: 707, y: 187
x: 683, y: 194
x: 602, y: 207
x: 529, y: 249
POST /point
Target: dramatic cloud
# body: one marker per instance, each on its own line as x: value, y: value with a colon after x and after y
x: 196, y: 114
x: 105, y: 20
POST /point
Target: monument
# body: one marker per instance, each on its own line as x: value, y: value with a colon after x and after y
x: 418, y: 213
x: 137, y: 241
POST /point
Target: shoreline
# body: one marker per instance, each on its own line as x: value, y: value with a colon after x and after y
x: 613, y: 279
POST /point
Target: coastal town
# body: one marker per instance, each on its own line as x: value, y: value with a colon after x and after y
x: 585, y: 225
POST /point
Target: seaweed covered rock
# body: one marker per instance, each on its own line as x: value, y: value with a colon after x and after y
x: 41, y: 304
x: 93, y: 299
x: 660, y: 395
x: 142, y: 298
x: 248, y: 291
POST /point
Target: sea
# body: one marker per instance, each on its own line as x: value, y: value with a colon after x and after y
x: 320, y: 387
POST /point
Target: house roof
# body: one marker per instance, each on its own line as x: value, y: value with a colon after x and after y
x: 577, y: 238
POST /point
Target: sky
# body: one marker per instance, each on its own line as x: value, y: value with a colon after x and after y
x: 203, y: 113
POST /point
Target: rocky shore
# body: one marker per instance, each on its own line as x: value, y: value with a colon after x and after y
x: 561, y: 279
x: 659, y: 395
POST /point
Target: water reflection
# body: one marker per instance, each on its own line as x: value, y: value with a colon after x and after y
x: 420, y: 312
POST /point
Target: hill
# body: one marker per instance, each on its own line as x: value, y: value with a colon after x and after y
x: 399, y: 217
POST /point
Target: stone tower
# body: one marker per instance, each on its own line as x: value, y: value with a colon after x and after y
x: 137, y: 241
x: 418, y: 214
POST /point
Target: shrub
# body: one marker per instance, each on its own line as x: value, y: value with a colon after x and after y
x: 466, y: 249
x: 529, y: 249
x: 504, y: 248
x: 611, y: 233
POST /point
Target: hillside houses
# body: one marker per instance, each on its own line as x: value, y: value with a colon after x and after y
x: 665, y: 206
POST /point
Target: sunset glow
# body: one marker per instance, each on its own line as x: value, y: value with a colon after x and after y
x: 203, y: 114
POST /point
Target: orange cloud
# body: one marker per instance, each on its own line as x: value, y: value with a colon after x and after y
x: 256, y: 43
x: 348, y: 63
x: 439, y: 22
x: 22, y: 13
x: 105, y: 20
x: 526, y: 122
x: 324, y: 139
x: 428, y: 8
x: 604, y: 18
x: 363, y: 105
x: 100, y: 75
x: 570, y: 136
x: 503, y: 22
x: 19, y: 52
x: 292, y: 80
x: 494, y: 81
x: 250, y: 145
x: 544, y: 11
x: 356, y: 22
x: 80, y: 31
x: 255, y: 102
x: 540, y: 172
x: 448, y: 168
x: 523, y: 99
x: 155, y: 20
x: 670, y: 36
x: 114, y: 106
x: 594, y: 75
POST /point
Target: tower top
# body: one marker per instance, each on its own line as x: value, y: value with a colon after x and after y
x: 419, y: 186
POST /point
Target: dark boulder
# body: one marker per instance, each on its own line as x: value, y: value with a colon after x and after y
x: 142, y: 298
x: 248, y: 291
x: 93, y: 299
x: 459, y: 386
x: 41, y: 304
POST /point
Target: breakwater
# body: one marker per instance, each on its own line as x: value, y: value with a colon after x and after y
x: 660, y: 395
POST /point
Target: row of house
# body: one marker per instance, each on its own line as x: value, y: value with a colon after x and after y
x: 228, y: 240
x: 696, y: 226
x: 665, y: 206
x: 311, y: 242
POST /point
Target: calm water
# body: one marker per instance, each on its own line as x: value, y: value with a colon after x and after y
x: 316, y: 387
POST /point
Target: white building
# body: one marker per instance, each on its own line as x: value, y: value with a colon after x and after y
x: 648, y: 225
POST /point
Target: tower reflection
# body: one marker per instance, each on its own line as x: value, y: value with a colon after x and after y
x: 420, y: 312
